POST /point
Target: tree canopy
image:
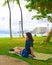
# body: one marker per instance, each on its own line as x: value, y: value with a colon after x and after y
x: 17, y: 1
x: 43, y: 8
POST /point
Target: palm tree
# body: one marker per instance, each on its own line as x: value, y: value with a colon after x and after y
x: 18, y: 3
x: 21, y: 21
x: 7, y: 2
x: 9, y: 18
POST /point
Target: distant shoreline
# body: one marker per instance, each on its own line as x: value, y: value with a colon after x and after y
x: 8, y: 35
x: 18, y: 35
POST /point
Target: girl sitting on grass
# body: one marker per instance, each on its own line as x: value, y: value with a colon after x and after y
x: 24, y: 52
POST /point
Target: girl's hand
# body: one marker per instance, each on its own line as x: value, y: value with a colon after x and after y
x: 33, y: 56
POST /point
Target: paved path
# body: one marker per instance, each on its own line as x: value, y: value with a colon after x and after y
x: 6, y: 60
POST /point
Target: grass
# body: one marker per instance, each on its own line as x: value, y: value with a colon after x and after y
x: 7, y: 43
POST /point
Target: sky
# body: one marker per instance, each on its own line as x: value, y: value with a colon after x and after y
x: 28, y: 23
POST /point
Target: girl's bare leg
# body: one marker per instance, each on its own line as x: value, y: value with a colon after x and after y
x: 18, y: 49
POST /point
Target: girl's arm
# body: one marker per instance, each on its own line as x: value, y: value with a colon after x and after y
x: 32, y: 53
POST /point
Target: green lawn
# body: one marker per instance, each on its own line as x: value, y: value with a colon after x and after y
x: 6, y: 44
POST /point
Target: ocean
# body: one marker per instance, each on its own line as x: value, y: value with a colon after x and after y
x: 18, y: 35
x: 8, y: 35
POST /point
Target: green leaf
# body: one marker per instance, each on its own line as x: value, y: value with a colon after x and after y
x: 18, y: 2
x: 5, y: 2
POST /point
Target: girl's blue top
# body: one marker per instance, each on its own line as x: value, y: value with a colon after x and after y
x: 28, y: 44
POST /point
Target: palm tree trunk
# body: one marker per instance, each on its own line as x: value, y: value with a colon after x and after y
x: 48, y: 36
x: 21, y: 21
x: 9, y: 19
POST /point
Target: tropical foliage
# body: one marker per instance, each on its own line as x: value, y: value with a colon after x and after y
x: 43, y: 8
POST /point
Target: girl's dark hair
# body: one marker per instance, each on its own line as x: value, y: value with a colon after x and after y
x: 29, y: 35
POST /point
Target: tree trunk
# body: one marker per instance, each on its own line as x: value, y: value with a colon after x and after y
x: 48, y: 36
x: 21, y: 22
x: 9, y: 19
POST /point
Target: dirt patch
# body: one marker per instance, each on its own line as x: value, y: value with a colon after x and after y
x: 6, y: 60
